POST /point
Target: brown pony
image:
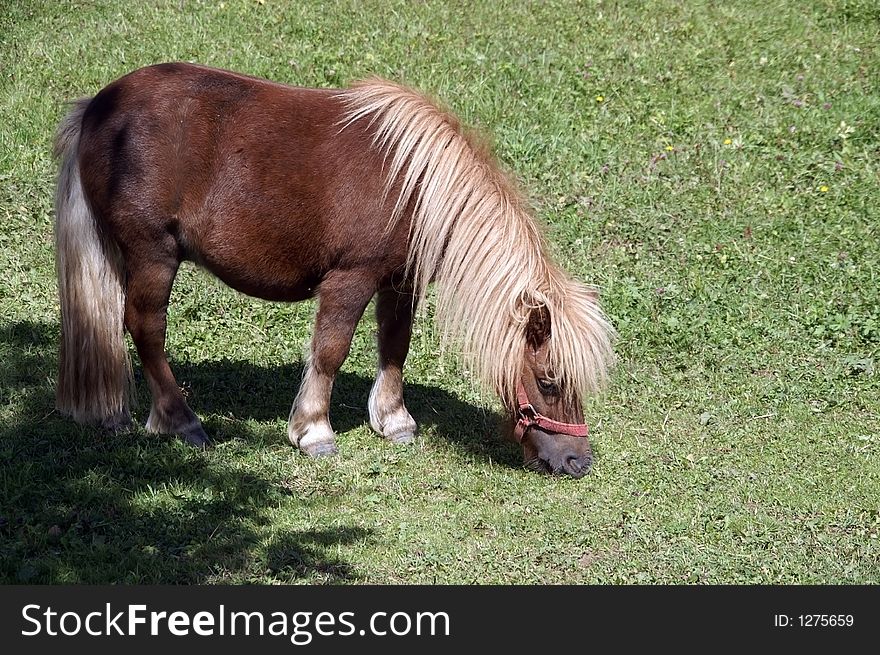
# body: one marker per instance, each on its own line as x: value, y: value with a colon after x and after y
x: 286, y: 193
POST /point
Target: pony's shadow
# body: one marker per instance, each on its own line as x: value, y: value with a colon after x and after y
x: 244, y: 391
x: 81, y: 506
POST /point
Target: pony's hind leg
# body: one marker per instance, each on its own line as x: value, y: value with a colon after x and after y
x: 147, y: 292
x: 343, y: 298
x: 388, y: 415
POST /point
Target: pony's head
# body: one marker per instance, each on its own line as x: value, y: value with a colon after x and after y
x: 547, y: 418
x: 565, y: 349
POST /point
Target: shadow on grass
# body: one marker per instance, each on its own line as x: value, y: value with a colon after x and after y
x: 79, y: 506
x: 243, y: 391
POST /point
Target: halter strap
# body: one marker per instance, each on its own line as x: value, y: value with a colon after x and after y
x: 529, y: 417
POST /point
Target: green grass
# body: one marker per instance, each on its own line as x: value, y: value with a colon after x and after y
x: 713, y: 166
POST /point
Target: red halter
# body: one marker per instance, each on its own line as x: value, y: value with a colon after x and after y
x: 529, y: 417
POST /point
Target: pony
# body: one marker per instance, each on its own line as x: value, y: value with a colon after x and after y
x: 287, y: 193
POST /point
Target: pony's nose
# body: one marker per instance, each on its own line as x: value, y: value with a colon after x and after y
x: 577, y: 467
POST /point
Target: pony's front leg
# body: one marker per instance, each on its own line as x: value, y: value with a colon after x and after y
x: 388, y: 415
x: 343, y: 298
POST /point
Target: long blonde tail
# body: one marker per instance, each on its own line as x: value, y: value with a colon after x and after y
x: 94, y: 368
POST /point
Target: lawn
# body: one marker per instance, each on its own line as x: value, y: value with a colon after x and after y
x: 713, y: 166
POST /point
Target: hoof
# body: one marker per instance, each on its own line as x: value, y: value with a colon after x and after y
x: 196, y: 437
x: 402, y: 438
x: 196, y: 441
x: 117, y: 424
x: 320, y: 449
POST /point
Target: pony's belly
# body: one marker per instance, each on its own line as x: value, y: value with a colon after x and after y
x: 285, y: 286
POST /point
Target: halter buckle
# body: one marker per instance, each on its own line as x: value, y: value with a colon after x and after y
x: 528, y: 412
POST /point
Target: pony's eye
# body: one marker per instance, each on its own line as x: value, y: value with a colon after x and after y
x: 548, y: 387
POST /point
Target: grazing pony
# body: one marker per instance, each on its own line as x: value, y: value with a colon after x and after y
x: 286, y: 193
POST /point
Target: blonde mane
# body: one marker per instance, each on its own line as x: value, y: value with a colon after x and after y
x: 474, y: 236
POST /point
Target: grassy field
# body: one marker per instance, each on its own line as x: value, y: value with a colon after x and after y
x: 713, y: 166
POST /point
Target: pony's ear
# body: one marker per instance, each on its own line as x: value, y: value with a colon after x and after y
x: 538, y: 327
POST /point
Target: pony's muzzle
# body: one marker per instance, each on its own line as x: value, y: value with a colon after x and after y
x: 557, y: 453
x: 578, y: 467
